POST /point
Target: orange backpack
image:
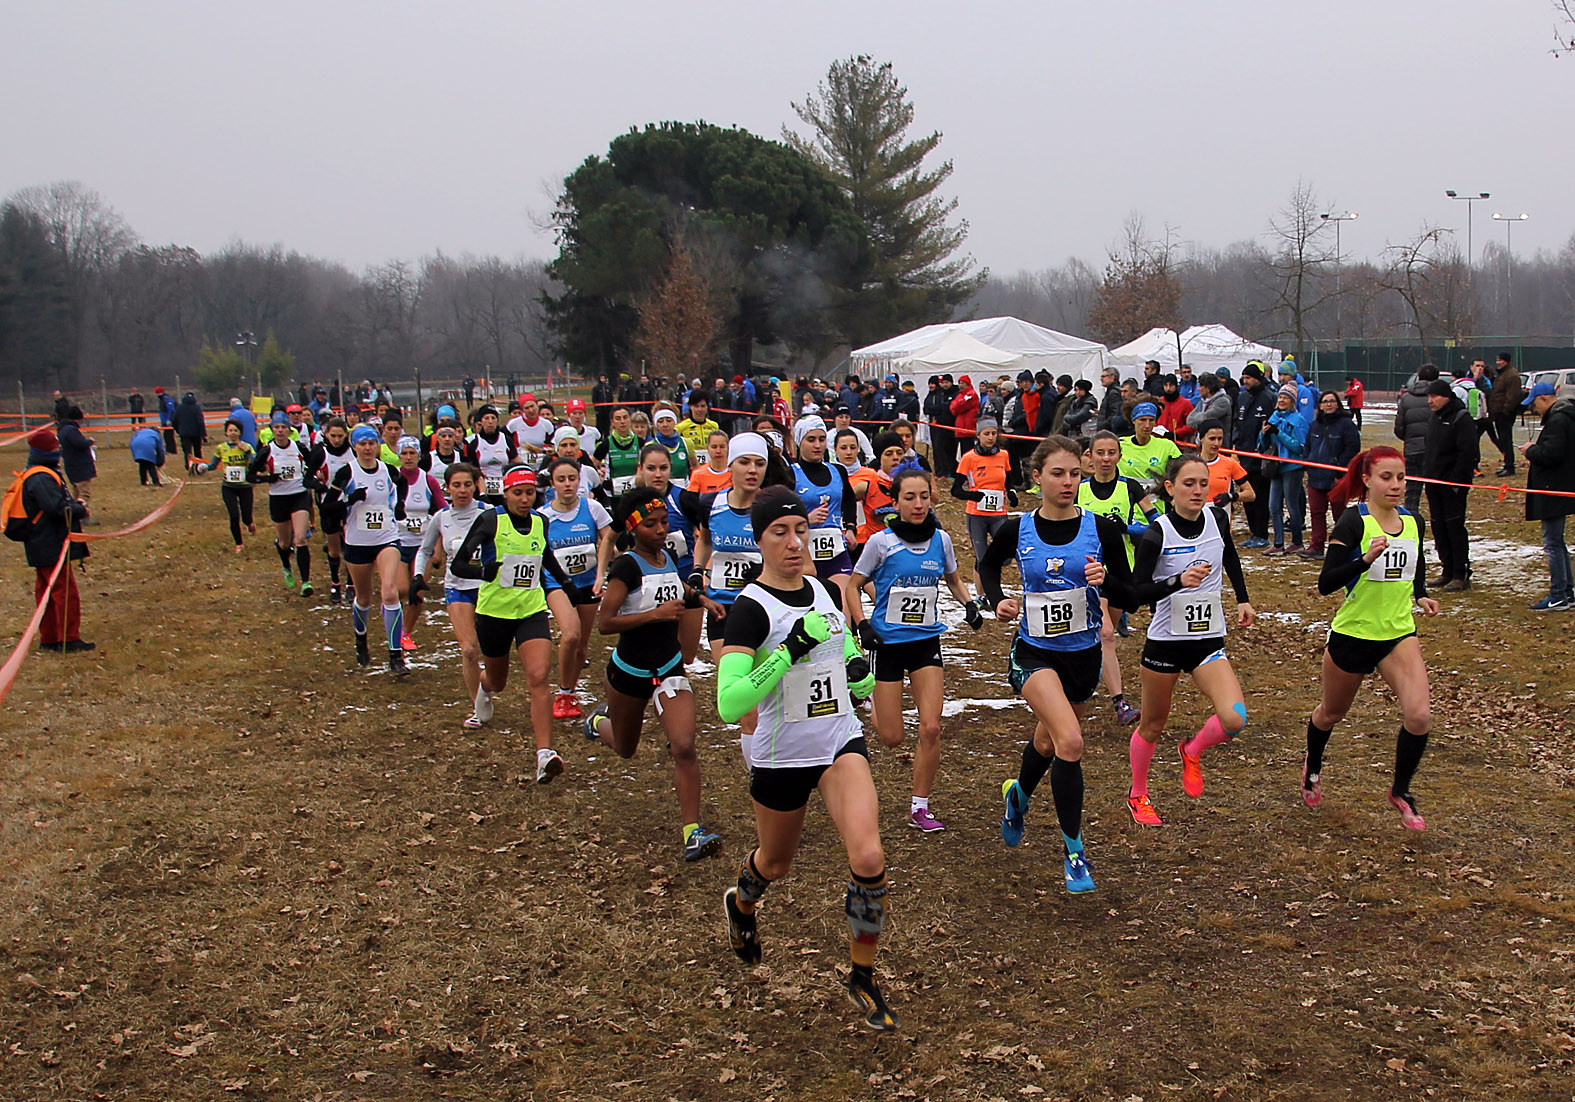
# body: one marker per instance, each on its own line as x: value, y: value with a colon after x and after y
x: 18, y: 525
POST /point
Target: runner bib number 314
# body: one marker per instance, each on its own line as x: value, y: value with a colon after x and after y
x: 1196, y: 614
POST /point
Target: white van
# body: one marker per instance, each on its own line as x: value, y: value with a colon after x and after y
x: 1563, y: 381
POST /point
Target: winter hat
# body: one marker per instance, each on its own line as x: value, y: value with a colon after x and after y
x: 1439, y: 387
x: 567, y: 432
x: 805, y: 425
x: 1289, y: 391
x: 1253, y: 370
x: 986, y: 423
x: 44, y: 440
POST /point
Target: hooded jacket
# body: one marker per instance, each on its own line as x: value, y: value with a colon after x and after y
x: 1332, y: 438
x: 1252, y: 411
x: 1411, y: 417
x: 188, y: 420
x: 1452, y: 448
x: 76, y: 455
x: 58, y: 513
x: 1552, y: 463
x: 965, y: 407
x: 1505, y: 397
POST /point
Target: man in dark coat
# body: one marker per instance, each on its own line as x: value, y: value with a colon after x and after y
x: 1111, y: 417
x: 53, y: 514
x: 1412, y: 413
x: 192, y: 428
x: 76, y: 451
x: 1451, y: 456
x: 1254, y: 403
x: 1551, y: 459
x: 602, y: 399
x: 1503, y: 403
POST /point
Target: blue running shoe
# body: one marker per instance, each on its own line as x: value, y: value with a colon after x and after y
x: 1016, y: 808
x: 701, y: 843
x: 591, y: 733
x: 1079, y: 874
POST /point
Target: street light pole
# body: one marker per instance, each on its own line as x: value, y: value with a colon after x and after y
x: 246, y: 341
x: 1469, y: 200
x: 1348, y: 216
x: 1509, y: 221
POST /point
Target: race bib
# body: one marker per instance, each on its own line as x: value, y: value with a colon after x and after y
x: 493, y: 486
x: 288, y: 471
x: 825, y: 543
x: 729, y: 567
x: 1062, y: 612
x: 372, y: 520
x: 912, y: 606
x: 1396, y: 564
x: 993, y: 501
x: 677, y: 545
x: 622, y: 484
x: 235, y: 474
x: 576, y: 558
x: 814, y: 690
x: 415, y: 524
x: 655, y: 589
x: 1197, y: 614
x: 519, y: 571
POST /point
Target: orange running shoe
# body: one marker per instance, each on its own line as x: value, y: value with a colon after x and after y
x: 571, y: 706
x: 407, y: 643
x: 1191, y: 772
x: 1143, y: 812
x: 560, y: 707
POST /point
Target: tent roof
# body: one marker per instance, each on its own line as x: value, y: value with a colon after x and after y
x: 955, y: 350
x: 1003, y: 334
x: 1214, y: 344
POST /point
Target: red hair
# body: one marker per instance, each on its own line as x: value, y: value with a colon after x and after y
x: 1353, y: 484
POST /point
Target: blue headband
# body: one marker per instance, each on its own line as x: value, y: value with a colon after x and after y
x: 363, y: 432
x: 1144, y: 409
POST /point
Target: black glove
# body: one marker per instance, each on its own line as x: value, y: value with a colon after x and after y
x: 974, y: 495
x: 1270, y: 430
x: 809, y: 632
x: 697, y: 580
x: 355, y: 495
x: 868, y: 638
x: 418, y: 586
x: 972, y: 616
x: 1011, y: 498
x: 858, y: 669
x: 1224, y: 500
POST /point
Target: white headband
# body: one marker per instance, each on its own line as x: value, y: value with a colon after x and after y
x: 746, y: 443
x: 565, y: 433
x: 805, y: 425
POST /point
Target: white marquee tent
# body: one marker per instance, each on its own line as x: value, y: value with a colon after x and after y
x: 937, y: 349
x: 1205, y: 347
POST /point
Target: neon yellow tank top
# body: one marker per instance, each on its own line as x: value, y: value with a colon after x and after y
x: 1377, y: 605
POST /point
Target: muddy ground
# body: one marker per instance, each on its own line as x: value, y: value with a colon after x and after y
x: 233, y: 867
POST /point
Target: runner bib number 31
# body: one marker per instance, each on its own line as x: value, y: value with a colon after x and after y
x: 814, y: 690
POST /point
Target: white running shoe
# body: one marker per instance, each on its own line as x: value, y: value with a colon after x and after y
x: 483, y: 704
x: 548, y: 766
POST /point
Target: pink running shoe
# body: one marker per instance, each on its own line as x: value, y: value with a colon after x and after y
x: 1191, y: 771
x: 1126, y: 715
x: 407, y: 643
x: 1406, y: 806
x: 1312, y: 786
x: 923, y: 820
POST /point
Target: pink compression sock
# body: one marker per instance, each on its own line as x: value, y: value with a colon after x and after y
x: 1210, y: 734
x: 1140, y: 752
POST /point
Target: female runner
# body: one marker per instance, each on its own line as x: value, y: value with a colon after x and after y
x: 664, y: 426
x: 440, y: 541
x: 828, y: 496
x: 1228, y: 482
x: 332, y: 453
x: 790, y: 655
x: 655, y: 468
x: 1067, y: 557
x: 714, y: 475
x: 1182, y: 562
x: 642, y: 604
x: 874, y: 490
x: 492, y: 450
x: 423, y: 497
x: 282, y: 464
x: 566, y: 445
x: 443, y: 452
x: 619, y: 454
x: 907, y: 562
x: 579, y: 531
x: 1124, y: 500
x: 235, y: 457
x: 1375, y: 554
x: 370, y: 497
x: 507, y: 550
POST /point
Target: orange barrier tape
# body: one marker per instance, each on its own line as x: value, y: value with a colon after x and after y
x: 147, y: 521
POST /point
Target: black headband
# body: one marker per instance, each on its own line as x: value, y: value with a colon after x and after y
x: 771, y: 508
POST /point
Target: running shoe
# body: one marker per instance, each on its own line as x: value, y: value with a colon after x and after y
x: 701, y: 843
x: 470, y: 722
x: 1079, y: 873
x: 289, y: 579
x: 239, y: 549
x: 252, y: 529
x: 742, y: 933
x: 591, y: 733
x: 1016, y: 808
x: 1311, y: 553
x: 1126, y: 715
x: 866, y: 996
x: 407, y: 643
x: 350, y: 592
x: 1256, y: 543
x: 483, y: 703
x: 306, y: 589
x: 1312, y: 786
x: 1124, y: 626
x: 396, y: 663
x: 1191, y: 772
x: 1296, y: 549
x: 1409, y: 815
x: 1143, y: 813
x: 560, y: 706
x: 363, y: 657
x: 923, y: 819
x: 571, y: 709
x: 1274, y: 550
x: 335, y: 596
x: 1551, y: 604
x: 548, y: 766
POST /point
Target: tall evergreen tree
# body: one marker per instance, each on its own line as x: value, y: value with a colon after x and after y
x: 858, y: 119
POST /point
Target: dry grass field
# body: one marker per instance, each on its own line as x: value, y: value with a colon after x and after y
x: 235, y: 867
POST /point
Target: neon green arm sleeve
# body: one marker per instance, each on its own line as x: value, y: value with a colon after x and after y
x: 850, y: 645
x: 741, y: 684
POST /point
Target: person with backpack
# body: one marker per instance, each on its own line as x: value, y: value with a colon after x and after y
x: 41, y: 514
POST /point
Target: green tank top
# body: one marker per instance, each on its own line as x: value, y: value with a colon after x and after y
x: 1377, y: 605
x: 679, y: 457
x: 1119, y: 506
x: 516, y: 592
x: 231, y: 461
x: 623, y: 458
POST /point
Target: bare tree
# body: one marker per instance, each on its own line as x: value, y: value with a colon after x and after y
x: 1429, y: 275
x: 1141, y: 288
x: 1297, y: 267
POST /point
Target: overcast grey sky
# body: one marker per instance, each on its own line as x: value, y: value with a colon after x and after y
x: 363, y: 131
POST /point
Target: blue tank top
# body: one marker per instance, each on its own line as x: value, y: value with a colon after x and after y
x: 573, y: 542
x: 733, y: 548
x: 813, y: 495
x: 908, y: 590
x: 680, y: 534
x: 1060, y: 609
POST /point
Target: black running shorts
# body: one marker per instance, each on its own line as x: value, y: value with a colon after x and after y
x: 788, y: 789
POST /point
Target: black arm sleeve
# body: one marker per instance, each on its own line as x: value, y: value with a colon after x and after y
x: 960, y: 489
x: 1002, y: 549
x: 466, y: 563
x: 689, y: 506
x: 1342, y: 559
x: 1233, y: 571
x: 1118, y: 575
x: 747, y: 625
x: 1145, y: 590
x: 1418, y: 583
x: 401, y: 488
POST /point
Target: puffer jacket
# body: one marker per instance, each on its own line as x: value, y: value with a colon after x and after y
x: 76, y: 455
x: 1411, y: 417
x: 1552, y: 463
x: 1332, y: 438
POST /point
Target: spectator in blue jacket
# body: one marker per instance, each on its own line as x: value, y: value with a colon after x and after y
x: 246, y: 419
x: 166, y: 417
x: 1332, y: 438
x: 1187, y: 383
x: 147, y: 448
x: 1306, y: 393
x: 1285, y: 435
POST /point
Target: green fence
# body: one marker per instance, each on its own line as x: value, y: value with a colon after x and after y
x: 1386, y: 366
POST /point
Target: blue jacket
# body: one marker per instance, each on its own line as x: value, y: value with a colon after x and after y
x: 248, y: 423
x: 1189, y: 389
x: 148, y: 446
x: 166, y: 410
x: 1334, y: 440
x: 1289, y: 440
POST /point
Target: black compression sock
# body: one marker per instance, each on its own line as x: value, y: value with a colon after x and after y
x: 1316, y: 741
x: 1408, y: 755
x: 1033, y: 768
x: 284, y: 555
x: 333, y: 568
x: 303, y: 562
x: 1066, y: 785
